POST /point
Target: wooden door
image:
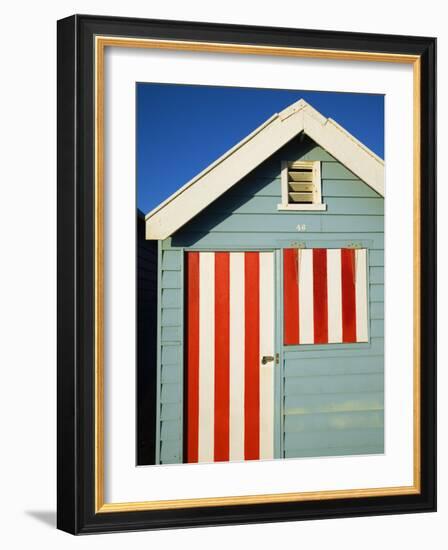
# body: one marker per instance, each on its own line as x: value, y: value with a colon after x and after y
x: 333, y: 383
x: 230, y: 356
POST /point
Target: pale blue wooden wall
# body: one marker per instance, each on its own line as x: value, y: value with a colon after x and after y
x: 170, y: 356
x: 333, y: 395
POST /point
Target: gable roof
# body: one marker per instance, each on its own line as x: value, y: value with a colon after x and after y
x: 259, y: 145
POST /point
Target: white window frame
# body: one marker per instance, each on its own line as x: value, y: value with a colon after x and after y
x: 317, y: 183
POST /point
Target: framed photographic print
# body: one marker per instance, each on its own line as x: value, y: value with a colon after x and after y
x: 246, y: 274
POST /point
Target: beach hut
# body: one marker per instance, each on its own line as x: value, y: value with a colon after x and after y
x: 270, y: 299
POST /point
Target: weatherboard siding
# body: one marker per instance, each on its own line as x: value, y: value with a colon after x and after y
x: 170, y: 358
x: 333, y: 400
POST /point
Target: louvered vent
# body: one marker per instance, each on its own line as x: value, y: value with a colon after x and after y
x: 301, y: 189
x: 301, y: 185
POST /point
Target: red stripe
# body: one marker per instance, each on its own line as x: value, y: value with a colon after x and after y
x: 252, y: 356
x: 192, y: 356
x: 348, y: 295
x: 320, y: 296
x: 290, y: 296
x: 222, y: 343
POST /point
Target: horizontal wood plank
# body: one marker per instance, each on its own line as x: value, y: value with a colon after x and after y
x: 171, y: 279
x: 170, y: 430
x: 334, y: 421
x: 344, y: 402
x: 376, y: 293
x: 355, y: 224
x: 377, y: 328
x: 171, y: 259
x: 335, y: 438
x: 376, y: 275
x: 348, y: 383
x: 171, y: 317
x: 170, y: 374
x: 170, y: 355
x: 377, y: 310
x: 171, y: 334
x: 339, y: 352
x: 336, y: 171
x: 170, y: 451
x: 170, y: 411
x: 347, y: 188
x: 170, y: 393
x: 268, y: 205
x: 336, y: 451
x: 171, y: 297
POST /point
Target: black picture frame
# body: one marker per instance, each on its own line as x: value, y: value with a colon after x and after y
x: 76, y: 511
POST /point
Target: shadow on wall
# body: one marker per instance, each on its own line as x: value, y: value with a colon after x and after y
x: 146, y: 344
x: 238, y: 195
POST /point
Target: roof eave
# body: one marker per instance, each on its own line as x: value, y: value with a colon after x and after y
x: 246, y: 155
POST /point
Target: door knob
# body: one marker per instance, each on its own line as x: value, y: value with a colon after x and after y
x: 267, y: 359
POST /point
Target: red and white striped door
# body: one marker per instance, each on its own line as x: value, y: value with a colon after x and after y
x: 230, y: 328
x: 325, y: 296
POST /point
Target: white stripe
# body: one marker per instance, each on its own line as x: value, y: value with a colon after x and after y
x: 236, y: 352
x: 306, y: 305
x: 206, y: 356
x: 267, y: 348
x: 334, y: 295
x: 361, y: 295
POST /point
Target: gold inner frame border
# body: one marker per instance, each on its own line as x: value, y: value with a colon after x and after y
x: 100, y: 44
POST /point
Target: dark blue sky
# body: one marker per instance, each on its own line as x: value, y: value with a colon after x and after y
x: 182, y: 129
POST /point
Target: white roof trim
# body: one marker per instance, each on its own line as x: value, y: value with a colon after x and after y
x: 246, y: 155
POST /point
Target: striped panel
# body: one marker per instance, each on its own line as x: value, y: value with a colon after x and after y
x: 230, y: 327
x: 325, y: 296
x: 192, y: 290
x: 267, y: 314
x: 206, y: 356
x: 222, y: 322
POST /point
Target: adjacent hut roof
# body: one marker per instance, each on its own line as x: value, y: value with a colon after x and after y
x: 259, y: 145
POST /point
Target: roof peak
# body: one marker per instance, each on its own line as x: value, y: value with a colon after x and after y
x: 254, y: 149
x: 298, y: 106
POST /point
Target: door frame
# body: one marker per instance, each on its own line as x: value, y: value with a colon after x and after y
x: 279, y: 364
